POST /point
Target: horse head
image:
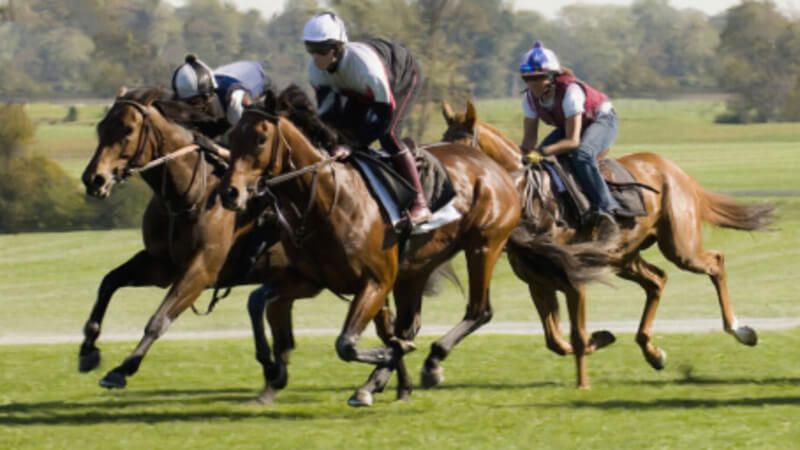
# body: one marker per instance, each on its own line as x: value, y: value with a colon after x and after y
x: 258, y: 150
x: 125, y: 140
x: 465, y: 128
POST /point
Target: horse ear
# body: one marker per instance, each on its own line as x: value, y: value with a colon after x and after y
x: 270, y: 101
x: 472, y: 115
x: 152, y: 95
x: 447, y: 112
x: 122, y: 91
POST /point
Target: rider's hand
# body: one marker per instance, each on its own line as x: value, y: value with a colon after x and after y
x: 533, y: 157
x: 340, y: 152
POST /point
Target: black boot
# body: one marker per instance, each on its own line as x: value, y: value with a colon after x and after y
x: 407, y: 167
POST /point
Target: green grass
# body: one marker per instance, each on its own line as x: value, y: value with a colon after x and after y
x: 500, y: 392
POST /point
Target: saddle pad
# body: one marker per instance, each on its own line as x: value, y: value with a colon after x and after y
x: 394, y: 193
x: 624, y: 188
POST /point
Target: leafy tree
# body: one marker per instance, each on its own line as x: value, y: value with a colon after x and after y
x: 16, y: 129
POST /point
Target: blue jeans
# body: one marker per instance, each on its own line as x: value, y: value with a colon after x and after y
x: 595, y: 138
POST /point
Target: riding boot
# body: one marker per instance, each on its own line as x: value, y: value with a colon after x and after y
x: 407, y: 167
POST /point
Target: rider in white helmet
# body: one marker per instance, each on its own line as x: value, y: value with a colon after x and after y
x: 368, y: 89
x: 223, y: 92
x: 585, y: 126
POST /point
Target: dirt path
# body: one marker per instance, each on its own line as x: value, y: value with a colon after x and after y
x: 516, y: 328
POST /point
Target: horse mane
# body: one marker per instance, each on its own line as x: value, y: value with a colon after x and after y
x: 294, y: 104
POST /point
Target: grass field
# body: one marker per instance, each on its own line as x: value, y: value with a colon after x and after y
x: 502, y: 391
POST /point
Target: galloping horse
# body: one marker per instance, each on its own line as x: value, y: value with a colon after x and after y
x: 191, y: 241
x: 676, y: 209
x: 350, y: 249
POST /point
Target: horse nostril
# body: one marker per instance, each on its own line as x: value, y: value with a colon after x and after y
x: 98, y: 181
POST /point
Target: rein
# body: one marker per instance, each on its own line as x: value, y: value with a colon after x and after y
x: 265, y: 182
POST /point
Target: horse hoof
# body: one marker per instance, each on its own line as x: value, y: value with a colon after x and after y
x: 433, y: 377
x: 746, y: 335
x: 601, y: 339
x: 405, y: 346
x: 113, y: 380
x: 403, y: 395
x: 266, y: 397
x: 360, y: 398
x: 658, y: 362
x: 89, y: 361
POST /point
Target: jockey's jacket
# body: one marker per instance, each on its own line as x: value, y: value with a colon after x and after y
x: 377, y: 76
x: 572, y: 97
x: 236, y: 79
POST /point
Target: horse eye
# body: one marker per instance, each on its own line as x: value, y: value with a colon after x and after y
x: 127, y: 130
x: 261, y: 139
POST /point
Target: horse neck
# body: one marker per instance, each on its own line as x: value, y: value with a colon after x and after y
x: 498, y: 147
x: 183, y: 181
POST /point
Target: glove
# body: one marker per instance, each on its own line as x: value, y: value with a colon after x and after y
x: 533, y: 157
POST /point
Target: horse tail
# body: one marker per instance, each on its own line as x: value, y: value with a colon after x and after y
x: 433, y: 286
x: 574, y: 264
x: 723, y: 211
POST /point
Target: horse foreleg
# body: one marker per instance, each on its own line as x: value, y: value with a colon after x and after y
x: 180, y: 296
x: 481, y: 260
x: 279, y: 299
x: 141, y: 270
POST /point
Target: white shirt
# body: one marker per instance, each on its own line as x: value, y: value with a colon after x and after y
x: 360, y: 73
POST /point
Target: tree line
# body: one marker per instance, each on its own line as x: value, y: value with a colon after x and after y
x: 467, y: 47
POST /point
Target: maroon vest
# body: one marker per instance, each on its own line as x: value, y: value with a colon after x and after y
x: 555, y: 117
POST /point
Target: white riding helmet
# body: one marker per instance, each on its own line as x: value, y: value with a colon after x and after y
x: 193, y: 78
x: 325, y: 27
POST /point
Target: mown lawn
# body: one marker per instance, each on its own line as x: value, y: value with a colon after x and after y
x: 500, y: 392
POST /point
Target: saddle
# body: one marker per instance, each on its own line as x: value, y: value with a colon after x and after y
x: 393, y: 193
x: 573, y: 201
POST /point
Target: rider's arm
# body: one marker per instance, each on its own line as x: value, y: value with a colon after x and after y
x: 572, y: 137
x: 239, y: 99
x: 573, y: 106
x: 530, y: 134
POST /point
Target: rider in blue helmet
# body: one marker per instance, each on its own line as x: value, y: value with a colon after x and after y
x: 585, y: 126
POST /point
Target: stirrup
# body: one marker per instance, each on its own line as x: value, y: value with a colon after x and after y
x: 422, y: 215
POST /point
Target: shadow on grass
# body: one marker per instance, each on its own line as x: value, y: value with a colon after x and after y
x: 672, y: 403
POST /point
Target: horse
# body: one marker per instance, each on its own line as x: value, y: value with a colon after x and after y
x: 191, y: 242
x: 676, y: 208
x: 350, y: 249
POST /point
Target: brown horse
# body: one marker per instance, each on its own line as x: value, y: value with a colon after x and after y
x: 350, y: 249
x: 676, y: 209
x: 191, y: 242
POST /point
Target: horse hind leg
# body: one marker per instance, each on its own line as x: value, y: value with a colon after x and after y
x: 481, y: 260
x: 140, y: 270
x: 652, y: 279
x: 684, y: 248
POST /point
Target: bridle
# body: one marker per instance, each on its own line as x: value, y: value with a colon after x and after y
x: 269, y: 179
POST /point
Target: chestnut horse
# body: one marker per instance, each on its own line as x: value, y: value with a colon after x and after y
x: 350, y: 249
x: 191, y: 242
x: 676, y: 209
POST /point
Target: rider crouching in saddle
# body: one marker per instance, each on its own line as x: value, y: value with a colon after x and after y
x: 222, y: 93
x: 365, y: 89
x: 585, y: 125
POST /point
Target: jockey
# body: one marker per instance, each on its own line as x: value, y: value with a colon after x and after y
x: 365, y: 89
x: 585, y: 125
x: 223, y: 92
